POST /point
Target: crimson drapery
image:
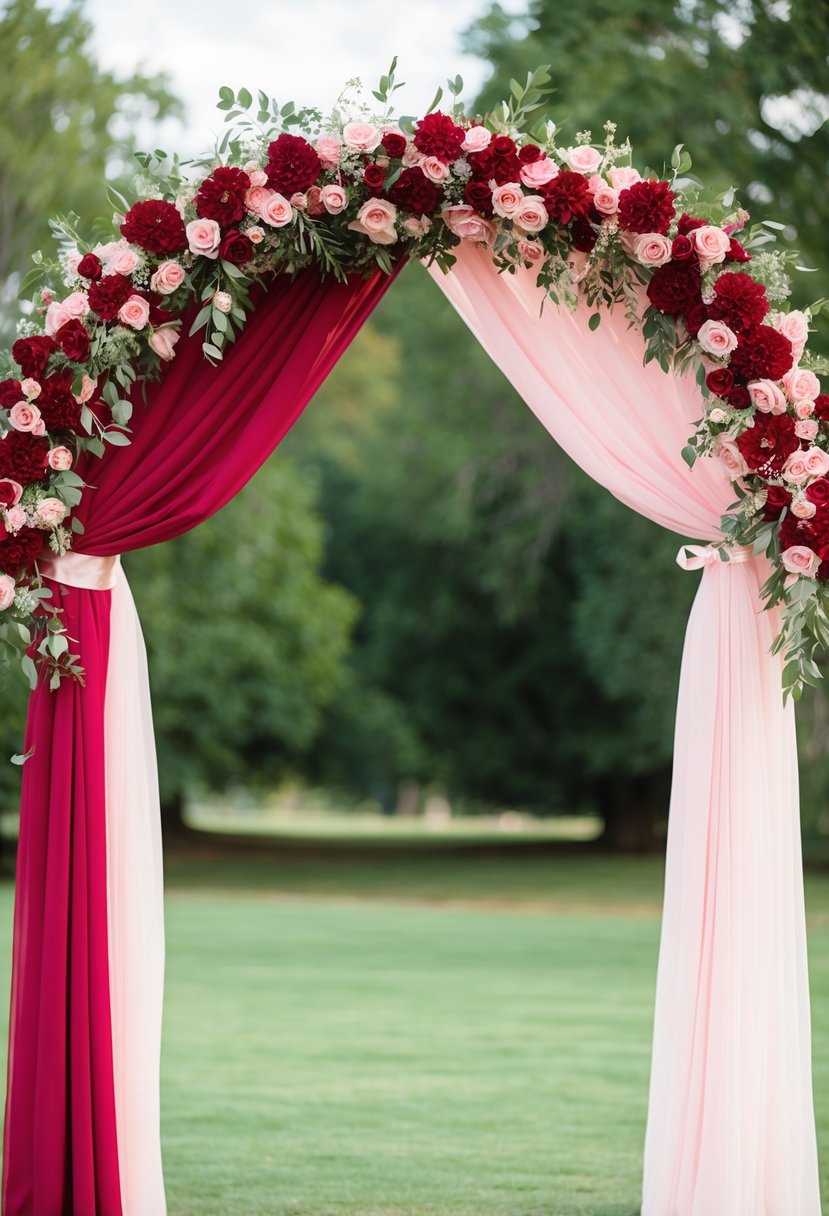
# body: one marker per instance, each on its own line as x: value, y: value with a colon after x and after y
x: 202, y: 434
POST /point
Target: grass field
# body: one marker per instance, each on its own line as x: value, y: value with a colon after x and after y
x: 418, y: 1036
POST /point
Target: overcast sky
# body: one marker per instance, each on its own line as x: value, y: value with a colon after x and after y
x: 303, y: 51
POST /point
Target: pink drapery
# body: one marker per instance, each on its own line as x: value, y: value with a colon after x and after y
x: 74, y: 1141
x: 731, y: 1127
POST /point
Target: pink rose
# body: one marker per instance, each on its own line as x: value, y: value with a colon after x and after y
x: 277, y: 211
x: 328, y: 150
x: 298, y: 201
x: 530, y: 251
x: 711, y: 243
x: 24, y: 417
x: 10, y: 492
x: 88, y: 387
x: 16, y: 518
x: 531, y: 215
x: 60, y: 459
x: 803, y: 509
x: 255, y: 234
x: 168, y: 278
x: 803, y: 409
x: 334, y: 199
x: 714, y: 336
x: 6, y: 591
x: 623, y: 176
x: 223, y: 301
x: 477, y: 138
x: 605, y: 199
x: 731, y: 456
x: 50, y: 512
x: 717, y: 415
x: 797, y: 559
x: 583, y: 159
x: 257, y: 175
x: 256, y: 198
x: 361, y: 136
x: 652, y: 249
x: 795, y: 326
x: 375, y: 219
x: 124, y: 262
x: 417, y: 225
x: 435, y: 169
x: 801, y: 385
x: 507, y: 199
x: 463, y: 221
x: 538, y: 172
x: 412, y: 156
x: 163, y: 341
x: 804, y: 466
x: 204, y: 237
x: 806, y: 429
x: 30, y: 388
x: 767, y: 397
x: 76, y: 305
x: 135, y: 312
x: 56, y: 317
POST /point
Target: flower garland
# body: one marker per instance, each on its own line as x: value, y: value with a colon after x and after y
x: 347, y: 193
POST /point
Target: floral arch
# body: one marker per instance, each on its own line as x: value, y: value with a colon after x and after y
x: 667, y: 365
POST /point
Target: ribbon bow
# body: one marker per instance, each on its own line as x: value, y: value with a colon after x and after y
x: 696, y: 557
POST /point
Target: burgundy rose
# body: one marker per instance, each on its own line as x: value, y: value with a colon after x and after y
x: 681, y: 249
x: 720, y: 380
x: 736, y: 253
x: 738, y: 397
x: 502, y: 145
x: 687, y: 223
x: 482, y: 164
x: 695, y: 318
x: 567, y: 197
x: 57, y: 405
x: 529, y: 154
x: 821, y: 410
x: 23, y: 457
x: 738, y: 301
x: 646, y: 207
x: 73, y: 340
x: 479, y: 196
x: 768, y: 444
x: 762, y: 354
x: 8, y: 492
x: 374, y: 177
x: 235, y: 248
x: 487, y: 167
x: 777, y: 498
x: 32, y: 354
x: 221, y: 196
x: 90, y: 267
x: 293, y: 165
x: 20, y: 552
x: 583, y: 235
x: 10, y: 393
x: 156, y: 226
x: 439, y: 135
x: 675, y: 288
x: 415, y: 193
x: 818, y: 491
x: 107, y: 296
x: 393, y: 144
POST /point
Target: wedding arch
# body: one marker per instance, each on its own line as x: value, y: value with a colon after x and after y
x: 664, y: 361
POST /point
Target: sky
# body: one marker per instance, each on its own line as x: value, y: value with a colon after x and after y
x: 304, y: 52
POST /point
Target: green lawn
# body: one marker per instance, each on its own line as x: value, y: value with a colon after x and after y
x: 422, y: 1036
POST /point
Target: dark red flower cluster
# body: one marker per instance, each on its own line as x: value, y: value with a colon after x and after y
x: 393, y: 144
x: 687, y: 223
x: 739, y: 301
x: 762, y: 354
x: 235, y: 248
x: 293, y: 165
x: 374, y: 177
x: 822, y: 407
x: 20, y: 552
x: 156, y: 226
x: 646, y: 207
x: 415, y: 193
x: 10, y: 393
x: 57, y: 405
x: 23, y: 457
x: 768, y: 444
x: 90, y: 267
x: 32, y: 354
x: 73, y: 339
x: 676, y: 287
x: 109, y: 294
x: 812, y: 532
x: 567, y: 197
x: 818, y: 492
x: 439, y: 135
x: 498, y: 163
x: 221, y: 196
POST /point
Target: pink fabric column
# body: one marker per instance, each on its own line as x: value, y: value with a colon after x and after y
x: 731, y: 1123
x: 73, y: 1134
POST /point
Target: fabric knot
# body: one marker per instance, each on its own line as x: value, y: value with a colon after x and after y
x: 83, y: 570
x: 696, y: 557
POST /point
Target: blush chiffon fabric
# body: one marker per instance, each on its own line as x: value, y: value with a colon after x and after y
x: 731, y: 1129
x: 81, y: 1132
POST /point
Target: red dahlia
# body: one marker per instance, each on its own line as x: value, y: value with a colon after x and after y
x: 813, y: 532
x: 415, y: 193
x: 293, y: 165
x: 777, y: 498
x: 439, y: 135
x: 108, y: 295
x: 739, y: 397
x: 23, y: 457
x: 156, y: 226
x: 60, y: 410
x: 676, y: 287
x: 695, y: 318
x: 20, y: 552
x: 221, y: 197
x: 394, y: 144
x: 738, y: 301
x: 73, y: 340
x: 768, y: 444
x: 762, y: 354
x: 10, y: 393
x: 567, y: 197
x: 32, y: 354
x: 646, y: 207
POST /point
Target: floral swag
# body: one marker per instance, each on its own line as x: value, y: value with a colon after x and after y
x: 356, y: 191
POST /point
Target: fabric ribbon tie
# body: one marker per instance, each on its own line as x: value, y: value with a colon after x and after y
x: 697, y: 557
x: 83, y: 570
